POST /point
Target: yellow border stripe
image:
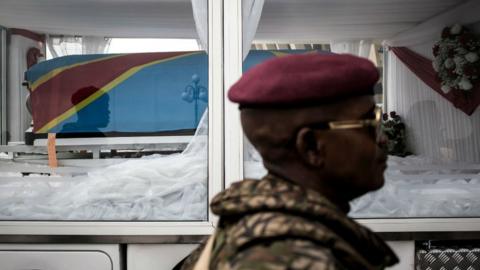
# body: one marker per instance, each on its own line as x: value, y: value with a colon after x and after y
x: 59, y: 70
x: 277, y: 54
x: 54, y: 122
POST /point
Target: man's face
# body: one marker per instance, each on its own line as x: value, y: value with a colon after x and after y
x: 352, y: 162
x: 354, y: 157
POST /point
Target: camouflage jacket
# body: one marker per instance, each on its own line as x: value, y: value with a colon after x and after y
x: 274, y: 224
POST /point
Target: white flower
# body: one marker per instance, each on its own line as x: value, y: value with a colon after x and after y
x: 465, y: 84
x: 460, y: 50
x: 445, y: 88
x: 471, y: 57
x: 449, y: 63
x: 458, y: 60
x: 459, y: 70
x: 436, y: 64
x: 455, y: 30
x: 443, y: 49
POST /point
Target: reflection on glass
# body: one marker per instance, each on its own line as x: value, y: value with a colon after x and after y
x: 122, y: 100
x: 90, y: 118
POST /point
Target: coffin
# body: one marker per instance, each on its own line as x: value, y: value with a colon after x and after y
x: 139, y: 93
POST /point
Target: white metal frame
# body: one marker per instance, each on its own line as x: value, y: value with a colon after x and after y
x: 130, y: 228
x: 385, y: 78
x: 422, y: 225
x: 3, y: 85
x: 28, y: 254
x: 216, y: 101
x: 233, y: 70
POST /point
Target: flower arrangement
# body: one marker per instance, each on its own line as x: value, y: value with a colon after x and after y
x: 394, y: 129
x: 457, y: 59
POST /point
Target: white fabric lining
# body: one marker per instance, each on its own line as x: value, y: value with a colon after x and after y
x: 159, y: 187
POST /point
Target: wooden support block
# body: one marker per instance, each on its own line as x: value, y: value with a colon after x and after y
x: 52, y: 152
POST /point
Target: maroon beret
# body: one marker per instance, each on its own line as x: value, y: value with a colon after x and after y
x: 302, y: 79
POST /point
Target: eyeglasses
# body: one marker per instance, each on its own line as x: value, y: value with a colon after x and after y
x: 351, y: 124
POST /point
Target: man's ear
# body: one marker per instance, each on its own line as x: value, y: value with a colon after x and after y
x: 310, y: 149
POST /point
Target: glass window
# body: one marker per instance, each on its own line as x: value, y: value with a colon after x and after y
x: 434, y: 149
x: 116, y: 128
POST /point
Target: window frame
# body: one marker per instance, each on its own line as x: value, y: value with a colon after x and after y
x: 3, y: 85
x: 233, y: 53
x: 215, y: 164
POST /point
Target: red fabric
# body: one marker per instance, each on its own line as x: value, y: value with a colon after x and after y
x: 82, y: 94
x: 304, y: 79
x: 87, y: 77
x: 466, y: 101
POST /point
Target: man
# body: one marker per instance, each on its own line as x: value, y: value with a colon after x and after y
x: 313, y: 120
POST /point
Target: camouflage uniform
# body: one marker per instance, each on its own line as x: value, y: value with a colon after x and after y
x: 274, y: 224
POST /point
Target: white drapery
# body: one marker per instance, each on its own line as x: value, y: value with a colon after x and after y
x: 356, y: 47
x: 251, y: 13
x: 200, y: 15
x: 157, y: 187
x: 436, y: 129
x: 69, y: 45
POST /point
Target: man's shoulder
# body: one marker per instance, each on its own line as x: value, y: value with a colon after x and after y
x: 280, y: 254
x: 265, y: 226
x: 276, y: 254
x: 272, y: 240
